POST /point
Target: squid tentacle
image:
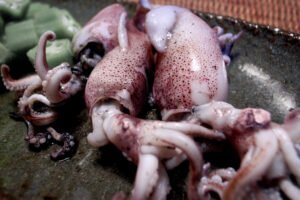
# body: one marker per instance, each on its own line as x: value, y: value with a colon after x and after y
x: 289, y: 189
x: 25, y: 105
x: 213, y: 184
x: 163, y: 186
x: 189, y: 147
x: 193, y: 130
x: 36, y: 140
x: 146, y: 177
x: 68, y: 144
x: 227, y: 40
x: 21, y: 84
x: 60, y: 84
x: 263, y: 154
x: 215, y: 181
x: 290, y: 155
x: 41, y: 65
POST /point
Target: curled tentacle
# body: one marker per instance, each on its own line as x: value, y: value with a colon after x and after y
x: 214, y: 181
x: 89, y: 58
x: 227, y: 40
x: 251, y: 132
x: 28, y: 83
x: 41, y: 65
x: 43, y: 139
x: 25, y: 102
x: 38, y: 118
x: 137, y: 138
x: 60, y: 83
x: 68, y: 144
x: 211, y: 184
x: 262, y: 155
x: 36, y: 140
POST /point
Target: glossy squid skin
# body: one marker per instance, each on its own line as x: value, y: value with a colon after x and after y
x: 122, y: 75
x: 119, y: 83
x: 102, y: 29
x: 190, y: 69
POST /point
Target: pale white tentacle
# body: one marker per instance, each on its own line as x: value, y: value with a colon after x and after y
x: 146, y: 177
x: 193, y: 130
x: 175, y: 161
x: 100, y: 113
x: 160, y: 152
x: 189, y: 147
x: 29, y: 101
x: 289, y: 151
x: 163, y: 187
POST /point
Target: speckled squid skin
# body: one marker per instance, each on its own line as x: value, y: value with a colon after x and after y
x: 191, y: 70
x: 121, y: 75
x: 101, y: 28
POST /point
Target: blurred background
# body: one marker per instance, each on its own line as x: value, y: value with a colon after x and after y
x: 283, y: 14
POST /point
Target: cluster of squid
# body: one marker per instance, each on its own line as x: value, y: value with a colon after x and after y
x: 173, y: 54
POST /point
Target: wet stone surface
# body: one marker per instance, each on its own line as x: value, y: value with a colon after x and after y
x: 264, y: 73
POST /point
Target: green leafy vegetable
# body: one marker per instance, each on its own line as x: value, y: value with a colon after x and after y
x: 21, y: 36
x: 5, y: 54
x: 14, y: 8
x: 35, y: 8
x: 57, y: 52
x: 58, y: 20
